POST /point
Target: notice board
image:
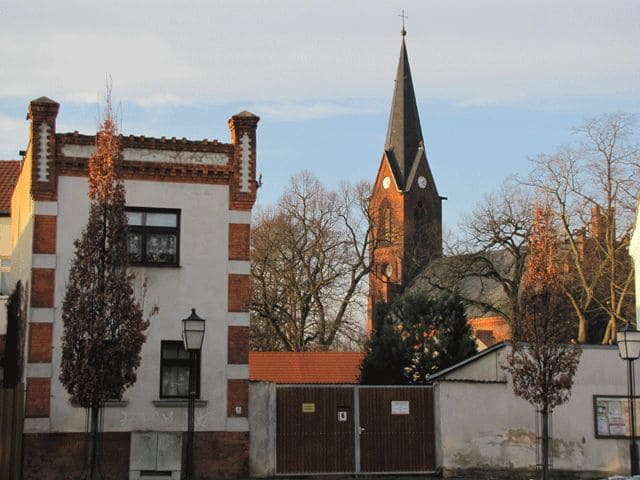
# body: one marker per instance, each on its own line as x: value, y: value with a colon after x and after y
x: 612, y: 417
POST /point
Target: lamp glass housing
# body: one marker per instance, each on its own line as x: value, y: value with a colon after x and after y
x: 629, y: 343
x: 193, y: 331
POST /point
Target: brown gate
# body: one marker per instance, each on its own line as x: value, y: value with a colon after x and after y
x: 315, y: 430
x: 397, y: 429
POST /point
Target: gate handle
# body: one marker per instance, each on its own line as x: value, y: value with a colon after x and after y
x: 361, y: 429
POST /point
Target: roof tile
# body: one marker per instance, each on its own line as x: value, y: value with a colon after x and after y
x: 9, y: 171
x: 305, y: 367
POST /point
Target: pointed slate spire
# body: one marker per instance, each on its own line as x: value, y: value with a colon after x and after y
x: 404, y: 135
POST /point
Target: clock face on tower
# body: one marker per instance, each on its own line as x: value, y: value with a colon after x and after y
x: 422, y: 182
x: 386, y: 182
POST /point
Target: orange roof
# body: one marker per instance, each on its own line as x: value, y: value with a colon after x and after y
x: 305, y: 367
x: 9, y: 171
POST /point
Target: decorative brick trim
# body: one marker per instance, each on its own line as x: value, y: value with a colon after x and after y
x: 154, y: 171
x: 38, y: 397
x: 150, y: 143
x: 238, y: 345
x: 42, y: 287
x: 44, y: 234
x: 239, y: 241
x: 239, y: 287
x: 40, y: 342
x: 237, y: 396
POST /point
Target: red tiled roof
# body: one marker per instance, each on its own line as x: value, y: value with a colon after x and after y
x: 9, y: 171
x: 305, y: 367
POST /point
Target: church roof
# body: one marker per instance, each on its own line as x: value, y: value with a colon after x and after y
x: 404, y: 134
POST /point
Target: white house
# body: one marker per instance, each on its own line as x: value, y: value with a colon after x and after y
x: 189, y: 207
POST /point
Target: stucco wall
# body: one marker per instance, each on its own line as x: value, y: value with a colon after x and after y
x: 262, y: 423
x: 200, y: 282
x: 483, y: 425
x: 634, y: 251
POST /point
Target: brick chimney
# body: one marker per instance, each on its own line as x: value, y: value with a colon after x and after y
x: 243, y: 186
x: 598, y: 224
x: 42, y: 114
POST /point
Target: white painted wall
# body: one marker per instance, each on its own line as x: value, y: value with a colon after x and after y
x: 484, y: 425
x: 200, y: 282
x: 634, y: 251
x: 5, y: 236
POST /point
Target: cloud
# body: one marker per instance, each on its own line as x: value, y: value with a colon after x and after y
x: 294, y: 111
x: 164, y: 52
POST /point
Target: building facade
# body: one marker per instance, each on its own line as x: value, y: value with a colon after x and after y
x: 189, y: 208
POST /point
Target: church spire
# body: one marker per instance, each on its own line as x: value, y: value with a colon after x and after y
x: 404, y: 135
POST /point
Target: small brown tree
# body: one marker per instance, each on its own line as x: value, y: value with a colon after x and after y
x: 103, y: 323
x: 543, y: 360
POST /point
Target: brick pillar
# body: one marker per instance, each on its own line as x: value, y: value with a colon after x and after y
x: 243, y: 186
x: 42, y: 113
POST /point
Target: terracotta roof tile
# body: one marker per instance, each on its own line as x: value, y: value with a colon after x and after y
x: 305, y: 367
x: 9, y: 171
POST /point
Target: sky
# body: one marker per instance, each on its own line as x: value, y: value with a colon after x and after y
x: 497, y: 81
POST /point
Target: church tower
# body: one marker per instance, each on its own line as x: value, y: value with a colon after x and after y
x: 405, y: 205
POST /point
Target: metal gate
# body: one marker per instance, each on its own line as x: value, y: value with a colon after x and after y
x: 347, y: 429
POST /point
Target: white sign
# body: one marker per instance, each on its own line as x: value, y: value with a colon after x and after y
x: 342, y: 415
x: 399, y: 407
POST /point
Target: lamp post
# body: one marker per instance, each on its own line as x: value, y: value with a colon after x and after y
x: 192, y: 336
x: 629, y: 349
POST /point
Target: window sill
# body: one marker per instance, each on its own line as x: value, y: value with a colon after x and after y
x: 154, y: 265
x: 177, y: 402
x: 108, y: 404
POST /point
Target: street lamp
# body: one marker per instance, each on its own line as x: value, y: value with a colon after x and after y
x: 192, y: 336
x: 629, y: 349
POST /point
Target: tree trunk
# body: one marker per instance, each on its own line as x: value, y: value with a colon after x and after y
x: 92, y: 457
x: 544, y: 415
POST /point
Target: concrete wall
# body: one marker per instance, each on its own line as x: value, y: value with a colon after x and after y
x: 484, y: 425
x: 262, y: 425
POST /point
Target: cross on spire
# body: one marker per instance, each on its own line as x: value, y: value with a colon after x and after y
x: 403, y: 16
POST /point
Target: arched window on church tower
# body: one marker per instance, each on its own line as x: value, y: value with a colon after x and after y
x: 385, y: 223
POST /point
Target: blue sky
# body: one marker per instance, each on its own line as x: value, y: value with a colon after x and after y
x: 497, y: 81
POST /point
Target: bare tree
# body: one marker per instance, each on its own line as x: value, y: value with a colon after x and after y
x: 103, y: 323
x: 487, y: 266
x: 309, y: 257
x: 594, y: 187
x: 543, y: 361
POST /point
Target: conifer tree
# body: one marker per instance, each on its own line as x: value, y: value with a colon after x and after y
x: 417, y: 337
x: 103, y: 323
x: 544, y: 359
